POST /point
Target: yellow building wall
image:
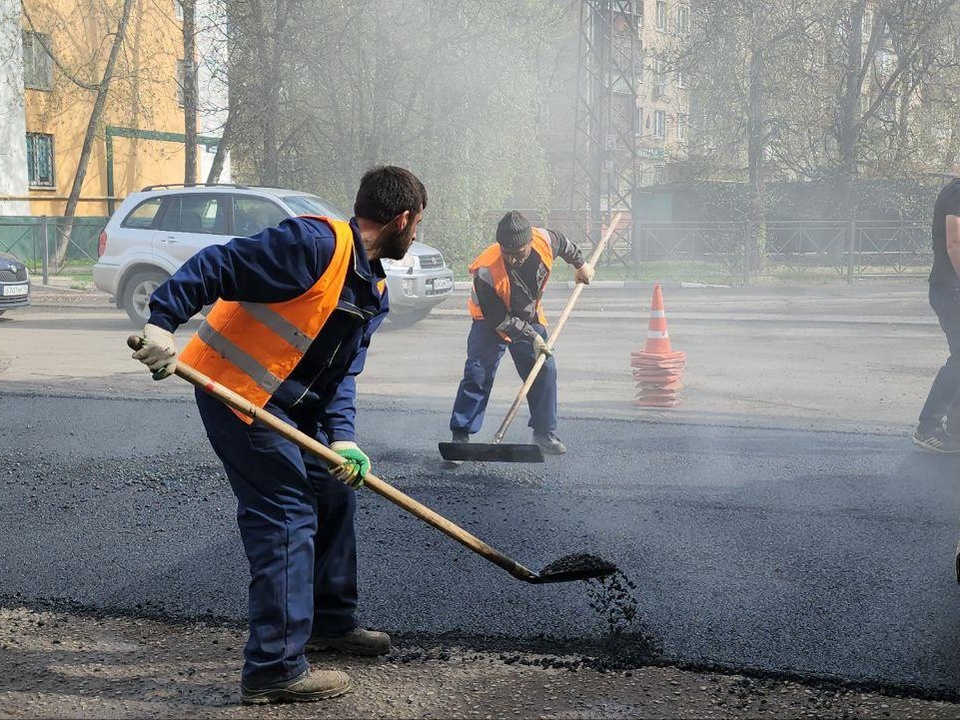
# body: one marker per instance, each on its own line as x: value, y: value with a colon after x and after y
x: 143, y: 96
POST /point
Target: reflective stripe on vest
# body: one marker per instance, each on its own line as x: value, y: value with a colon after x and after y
x: 252, y: 348
x: 489, y: 266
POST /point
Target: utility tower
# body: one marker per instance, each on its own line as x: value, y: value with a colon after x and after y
x: 605, y: 152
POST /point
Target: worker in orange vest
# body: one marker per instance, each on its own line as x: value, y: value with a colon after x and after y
x: 295, y: 308
x: 509, y: 278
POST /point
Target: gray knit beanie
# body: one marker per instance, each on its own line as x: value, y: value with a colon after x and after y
x: 513, y: 231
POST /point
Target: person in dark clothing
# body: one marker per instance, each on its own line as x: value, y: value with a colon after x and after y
x: 509, y: 278
x: 939, y: 426
x: 296, y: 306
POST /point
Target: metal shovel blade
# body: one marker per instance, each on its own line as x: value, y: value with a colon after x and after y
x: 491, y: 452
x: 573, y: 568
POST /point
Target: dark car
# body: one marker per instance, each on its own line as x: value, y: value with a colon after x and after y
x: 14, y: 283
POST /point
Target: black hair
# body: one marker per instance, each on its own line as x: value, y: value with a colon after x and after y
x: 387, y: 191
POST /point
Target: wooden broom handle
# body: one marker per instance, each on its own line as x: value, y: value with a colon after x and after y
x: 381, y: 487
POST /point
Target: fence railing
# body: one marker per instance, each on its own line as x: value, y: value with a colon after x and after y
x: 743, y: 252
x: 35, y: 240
x: 731, y: 252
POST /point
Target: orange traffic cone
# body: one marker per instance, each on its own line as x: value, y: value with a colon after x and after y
x: 658, y: 369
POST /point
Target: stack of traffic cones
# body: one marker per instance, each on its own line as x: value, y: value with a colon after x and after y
x: 657, y: 369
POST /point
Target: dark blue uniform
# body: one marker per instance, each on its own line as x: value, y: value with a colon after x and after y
x: 519, y: 322
x: 296, y: 521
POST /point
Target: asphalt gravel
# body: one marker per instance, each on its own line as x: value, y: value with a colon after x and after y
x: 808, y: 554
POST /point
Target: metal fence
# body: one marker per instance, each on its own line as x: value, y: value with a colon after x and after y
x: 729, y: 252
x: 35, y: 240
x: 744, y: 252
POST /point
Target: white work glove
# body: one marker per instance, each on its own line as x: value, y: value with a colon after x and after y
x: 584, y: 274
x: 158, y: 351
x: 355, y: 466
x: 540, y: 345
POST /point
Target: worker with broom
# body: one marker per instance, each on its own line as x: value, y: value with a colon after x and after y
x: 295, y: 309
x: 509, y: 278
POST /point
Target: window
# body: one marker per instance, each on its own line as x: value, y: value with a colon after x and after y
x: 681, y: 128
x: 659, y: 124
x: 37, y: 66
x: 683, y: 19
x: 195, y: 213
x: 638, y: 11
x: 180, y: 81
x: 40, y: 160
x: 143, y: 215
x: 681, y: 83
x: 659, y: 174
x: 253, y: 214
x: 638, y: 121
x: 660, y: 86
x: 178, y: 10
x: 661, y: 15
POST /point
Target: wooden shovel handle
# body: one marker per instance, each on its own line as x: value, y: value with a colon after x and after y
x: 382, y: 488
x: 541, y: 359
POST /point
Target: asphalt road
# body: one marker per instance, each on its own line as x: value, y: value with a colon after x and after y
x: 812, y: 552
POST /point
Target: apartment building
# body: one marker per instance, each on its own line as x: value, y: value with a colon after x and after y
x: 663, y: 103
x: 54, y: 53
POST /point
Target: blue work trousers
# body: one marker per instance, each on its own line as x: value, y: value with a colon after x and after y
x: 484, y: 349
x: 296, y: 522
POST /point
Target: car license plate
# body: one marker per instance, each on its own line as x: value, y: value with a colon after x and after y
x: 15, y: 290
x: 442, y: 284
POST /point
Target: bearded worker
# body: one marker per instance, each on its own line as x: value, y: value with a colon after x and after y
x: 296, y: 306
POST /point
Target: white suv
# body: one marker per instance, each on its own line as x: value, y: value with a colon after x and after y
x: 155, y: 231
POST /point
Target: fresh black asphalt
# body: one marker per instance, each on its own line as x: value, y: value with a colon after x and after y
x: 808, y: 553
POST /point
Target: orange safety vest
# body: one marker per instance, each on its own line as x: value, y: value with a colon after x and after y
x: 252, y: 348
x: 492, y: 260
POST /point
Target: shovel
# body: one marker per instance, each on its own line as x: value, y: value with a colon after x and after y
x: 566, y: 569
x: 520, y: 452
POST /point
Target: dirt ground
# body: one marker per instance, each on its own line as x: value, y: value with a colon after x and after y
x: 61, y: 664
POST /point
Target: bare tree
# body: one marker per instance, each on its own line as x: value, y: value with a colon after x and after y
x: 189, y: 91
x: 93, y: 123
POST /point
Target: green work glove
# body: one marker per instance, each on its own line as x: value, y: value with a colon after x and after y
x: 356, y: 464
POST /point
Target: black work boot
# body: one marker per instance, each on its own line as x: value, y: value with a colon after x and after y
x: 356, y: 642
x: 310, y: 686
x: 459, y: 436
x: 549, y: 443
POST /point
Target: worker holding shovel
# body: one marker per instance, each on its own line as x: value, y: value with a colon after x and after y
x: 509, y: 278
x: 295, y: 309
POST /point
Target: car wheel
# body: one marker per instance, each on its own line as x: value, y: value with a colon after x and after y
x: 137, y: 294
x: 408, y: 317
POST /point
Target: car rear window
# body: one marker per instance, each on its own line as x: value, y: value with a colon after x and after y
x: 143, y: 215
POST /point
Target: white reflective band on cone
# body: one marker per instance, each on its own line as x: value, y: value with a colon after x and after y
x: 657, y: 334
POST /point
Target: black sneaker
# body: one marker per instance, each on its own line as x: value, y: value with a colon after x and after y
x: 459, y: 436
x: 937, y: 441
x: 549, y: 443
x: 310, y: 686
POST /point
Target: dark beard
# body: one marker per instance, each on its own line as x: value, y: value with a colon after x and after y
x: 396, y: 246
